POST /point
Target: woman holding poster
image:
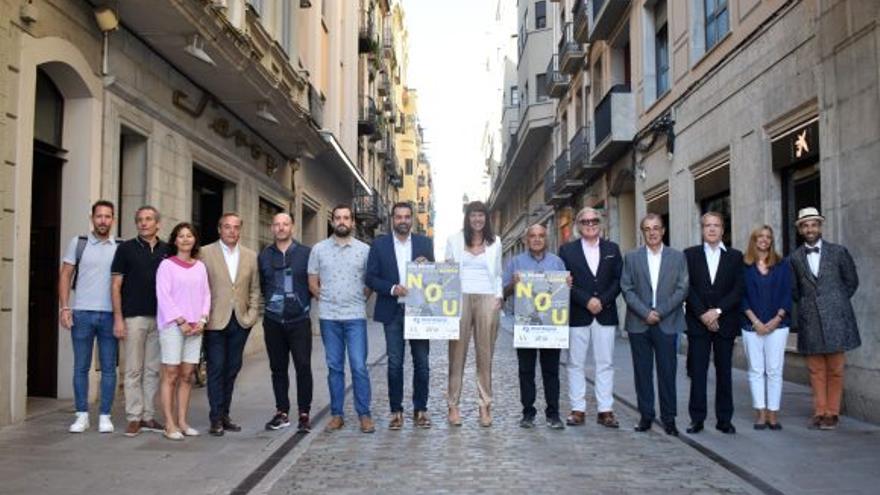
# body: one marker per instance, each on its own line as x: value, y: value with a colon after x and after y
x: 478, y: 252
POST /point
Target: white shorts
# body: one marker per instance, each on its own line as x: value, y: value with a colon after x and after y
x: 176, y: 348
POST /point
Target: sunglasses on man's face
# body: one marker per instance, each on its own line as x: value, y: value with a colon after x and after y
x: 589, y: 221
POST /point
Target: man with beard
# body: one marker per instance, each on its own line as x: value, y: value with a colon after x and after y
x: 386, y: 274
x: 825, y: 279
x: 86, y: 270
x: 287, y: 328
x: 337, y: 269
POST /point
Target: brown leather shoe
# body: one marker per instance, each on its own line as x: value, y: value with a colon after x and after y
x: 454, y: 417
x: 336, y: 423
x: 485, y: 416
x: 576, y: 418
x: 421, y: 419
x: 396, y: 422
x: 830, y: 422
x: 133, y: 429
x: 228, y: 425
x: 816, y: 422
x: 607, y: 420
x: 367, y: 425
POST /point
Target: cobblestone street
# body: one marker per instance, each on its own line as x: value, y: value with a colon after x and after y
x: 502, y: 459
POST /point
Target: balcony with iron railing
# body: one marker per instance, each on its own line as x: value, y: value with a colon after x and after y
x: 421, y: 182
x: 367, y: 117
x: 557, y: 82
x: 388, y: 37
x: 571, y: 51
x: 582, y: 165
x: 607, y: 14
x: 367, y: 207
x: 383, y: 85
x: 614, y: 121
x: 581, y: 16
x: 367, y: 36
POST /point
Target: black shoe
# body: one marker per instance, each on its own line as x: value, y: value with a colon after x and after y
x: 760, y: 426
x: 774, y: 426
x: 670, y: 429
x: 695, y: 427
x: 216, y: 428
x: 643, y: 426
x: 280, y: 420
x: 527, y: 422
x: 228, y: 425
x: 555, y: 423
x: 305, y: 424
x: 726, y: 428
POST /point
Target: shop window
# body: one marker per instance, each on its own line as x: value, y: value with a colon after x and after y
x: 796, y: 158
x: 712, y: 193
x: 208, y: 200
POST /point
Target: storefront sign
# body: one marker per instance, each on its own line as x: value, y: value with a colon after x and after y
x: 800, y: 145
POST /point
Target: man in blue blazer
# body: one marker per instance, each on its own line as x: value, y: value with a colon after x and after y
x: 386, y: 275
x: 595, y: 265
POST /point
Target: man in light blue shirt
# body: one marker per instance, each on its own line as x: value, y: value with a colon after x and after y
x: 536, y: 259
x: 337, y: 270
x: 86, y: 270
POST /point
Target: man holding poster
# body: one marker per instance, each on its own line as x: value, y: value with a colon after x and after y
x: 536, y: 262
x: 386, y: 275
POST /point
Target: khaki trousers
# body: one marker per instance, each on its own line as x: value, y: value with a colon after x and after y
x: 480, y: 319
x: 141, y: 368
x: 826, y: 378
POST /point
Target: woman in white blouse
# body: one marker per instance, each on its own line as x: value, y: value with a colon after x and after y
x: 478, y: 251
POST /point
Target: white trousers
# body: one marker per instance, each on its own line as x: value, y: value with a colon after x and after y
x: 579, y: 339
x: 766, y: 354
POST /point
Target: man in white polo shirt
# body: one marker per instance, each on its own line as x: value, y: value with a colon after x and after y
x: 86, y: 270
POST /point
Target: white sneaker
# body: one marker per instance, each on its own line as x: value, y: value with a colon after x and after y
x: 105, y: 425
x: 81, y: 424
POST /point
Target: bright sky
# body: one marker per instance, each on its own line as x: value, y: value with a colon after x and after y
x: 449, y: 42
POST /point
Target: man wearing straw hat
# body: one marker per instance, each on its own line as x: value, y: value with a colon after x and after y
x: 825, y: 280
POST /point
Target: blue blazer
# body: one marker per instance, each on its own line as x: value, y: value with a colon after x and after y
x: 382, y: 272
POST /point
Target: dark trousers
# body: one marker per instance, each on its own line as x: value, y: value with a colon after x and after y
x: 699, y: 349
x: 419, y: 349
x: 223, y: 351
x: 648, y: 348
x: 549, y: 373
x: 284, y: 340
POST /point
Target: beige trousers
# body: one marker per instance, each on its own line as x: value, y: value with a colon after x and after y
x: 480, y: 319
x: 141, y: 368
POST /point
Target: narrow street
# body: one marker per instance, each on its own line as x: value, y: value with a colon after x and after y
x: 502, y: 459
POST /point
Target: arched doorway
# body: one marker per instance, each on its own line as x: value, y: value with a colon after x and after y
x: 45, y: 239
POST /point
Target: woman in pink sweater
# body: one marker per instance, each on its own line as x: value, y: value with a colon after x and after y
x: 184, y: 304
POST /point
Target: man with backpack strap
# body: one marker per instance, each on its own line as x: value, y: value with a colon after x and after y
x: 90, y: 315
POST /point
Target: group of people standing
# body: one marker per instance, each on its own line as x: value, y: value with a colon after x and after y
x: 160, y: 300
x: 711, y: 292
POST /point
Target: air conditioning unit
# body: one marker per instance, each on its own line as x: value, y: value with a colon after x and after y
x: 219, y: 4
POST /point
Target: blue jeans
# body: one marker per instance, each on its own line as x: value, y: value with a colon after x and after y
x: 396, y: 346
x: 87, y: 325
x: 223, y: 355
x: 336, y: 336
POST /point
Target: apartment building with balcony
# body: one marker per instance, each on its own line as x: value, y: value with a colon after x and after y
x: 528, y: 114
x: 381, y: 61
x: 757, y: 109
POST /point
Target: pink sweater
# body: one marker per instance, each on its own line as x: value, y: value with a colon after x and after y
x: 181, y: 291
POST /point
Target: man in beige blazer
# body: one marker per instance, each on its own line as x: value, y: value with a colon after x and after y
x: 235, y: 308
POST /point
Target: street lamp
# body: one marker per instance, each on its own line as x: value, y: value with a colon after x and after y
x: 196, y: 48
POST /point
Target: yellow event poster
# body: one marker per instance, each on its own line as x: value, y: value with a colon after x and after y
x: 540, y: 310
x: 433, y: 301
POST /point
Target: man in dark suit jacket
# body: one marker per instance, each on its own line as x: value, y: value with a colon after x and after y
x: 713, y: 318
x: 595, y: 265
x: 825, y: 279
x: 654, y: 285
x: 386, y: 272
